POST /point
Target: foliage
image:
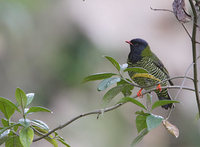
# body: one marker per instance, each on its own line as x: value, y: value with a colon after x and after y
x: 21, y: 133
x: 145, y: 119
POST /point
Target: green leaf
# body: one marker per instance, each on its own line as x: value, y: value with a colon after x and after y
x: 114, y: 62
x: 112, y: 93
x: 136, y: 70
x: 4, y: 122
x: 13, y: 141
x: 107, y: 82
x: 37, y: 109
x: 127, y: 88
x: 50, y: 139
x: 129, y: 99
x: 7, y: 107
x: 98, y: 76
x: 26, y: 136
x: 141, y: 122
x: 21, y: 98
x: 4, y: 136
x: 30, y: 97
x: 139, y: 137
x: 40, y: 124
x: 25, y: 122
x: 59, y: 138
x: 142, y: 113
x: 153, y: 121
x: 162, y: 102
x: 149, y: 100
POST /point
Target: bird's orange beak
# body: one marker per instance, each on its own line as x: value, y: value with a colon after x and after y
x: 129, y: 42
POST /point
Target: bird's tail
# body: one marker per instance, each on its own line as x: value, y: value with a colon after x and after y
x: 164, y: 95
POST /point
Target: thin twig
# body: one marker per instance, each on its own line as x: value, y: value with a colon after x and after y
x: 161, y: 10
x: 105, y: 110
x: 195, y: 54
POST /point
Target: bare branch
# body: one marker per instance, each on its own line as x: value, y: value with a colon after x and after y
x: 195, y: 53
x: 105, y: 110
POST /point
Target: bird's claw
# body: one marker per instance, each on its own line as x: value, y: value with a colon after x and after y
x: 139, y: 94
x: 159, y: 87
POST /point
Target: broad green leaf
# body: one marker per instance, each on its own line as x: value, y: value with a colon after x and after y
x: 40, y: 124
x: 141, y: 122
x: 107, y: 82
x: 37, y: 109
x: 21, y: 98
x: 4, y: 122
x: 142, y: 113
x: 13, y: 141
x: 153, y: 121
x: 112, y: 93
x: 30, y: 97
x: 50, y: 139
x: 136, y: 70
x: 162, y: 102
x: 7, y: 107
x: 4, y: 136
x: 127, y: 88
x: 114, y: 62
x: 98, y: 76
x: 26, y: 136
x: 139, y: 137
x: 129, y: 99
x: 25, y: 122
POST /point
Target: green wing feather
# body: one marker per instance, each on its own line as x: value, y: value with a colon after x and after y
x: 160, y: 65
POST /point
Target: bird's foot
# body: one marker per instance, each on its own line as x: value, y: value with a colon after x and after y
x: 159, y: 87
x: 139, y: 94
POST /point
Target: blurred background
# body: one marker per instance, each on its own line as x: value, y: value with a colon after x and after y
x: 48, y: 47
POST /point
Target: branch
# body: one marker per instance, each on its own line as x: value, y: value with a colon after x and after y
x: 99, y: 111
x: 195, y: 54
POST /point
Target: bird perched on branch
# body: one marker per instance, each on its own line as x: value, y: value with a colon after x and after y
x: 142, y: 57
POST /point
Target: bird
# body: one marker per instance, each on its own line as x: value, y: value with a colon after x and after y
x: 141, y: 56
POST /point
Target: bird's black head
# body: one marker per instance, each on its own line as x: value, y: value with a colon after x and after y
x: 137, y: 46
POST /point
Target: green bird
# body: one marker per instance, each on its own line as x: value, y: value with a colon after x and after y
x: 141, y: 56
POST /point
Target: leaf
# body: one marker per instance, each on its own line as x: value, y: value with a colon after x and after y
x: 141, y: 122
x: 136, y: 70
x: 26, y: 136
x: 7, y: 107
x: 129, y: 99
x: 149, y: 100
x: 107, y: 82
x: 139, y: 137
x: 59, y: 138
x: 112, y: 93
x: 98, y: 76
x: 25, y: 122
x: 37, y: 109
x: 162, y: 102
x: 13, y: 141
x: 4, y: 122
x: 30, y: 97
x: 114, y: 62
x: 50, y: 139
x: 180, y: 11
x: 171, y: 128
x: 127, y: 88
x: 4, y: 136
x: 153, y: 121
x: 40, y: 124
x: 21, y: 98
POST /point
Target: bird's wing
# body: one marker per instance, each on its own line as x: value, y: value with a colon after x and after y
x: 160, y: 65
